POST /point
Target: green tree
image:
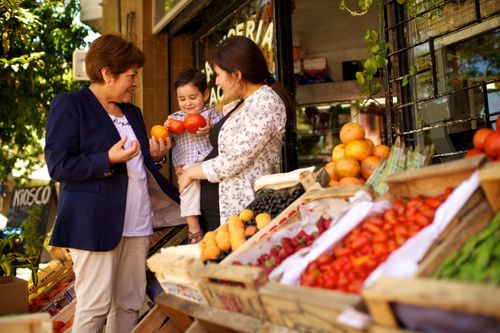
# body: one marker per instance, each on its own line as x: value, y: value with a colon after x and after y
x: 38, y: 39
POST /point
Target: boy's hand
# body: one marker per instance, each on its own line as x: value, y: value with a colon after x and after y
x: 204, y: 130
x: 178, y: 170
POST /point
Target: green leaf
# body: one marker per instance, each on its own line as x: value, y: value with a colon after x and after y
x: 413, y: 70
x: 375, y: 49
x: 360, y: 77
x: 370, y: 66
x: 404, y: 80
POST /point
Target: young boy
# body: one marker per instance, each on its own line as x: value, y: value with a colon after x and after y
x: 188, y: 149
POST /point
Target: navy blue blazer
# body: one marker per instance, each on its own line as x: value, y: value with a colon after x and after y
x: 92, y: 195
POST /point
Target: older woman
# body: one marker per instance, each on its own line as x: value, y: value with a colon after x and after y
x: 247, y: 141
x: 97, y: 148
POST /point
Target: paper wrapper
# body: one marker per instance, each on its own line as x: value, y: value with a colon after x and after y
x: 404, y: 261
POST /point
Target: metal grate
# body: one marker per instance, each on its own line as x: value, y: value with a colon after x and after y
x: 440, y: 99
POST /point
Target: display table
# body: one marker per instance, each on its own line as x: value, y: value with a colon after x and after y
x: 208, y: 319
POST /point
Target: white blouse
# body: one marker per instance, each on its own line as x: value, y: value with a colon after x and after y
x: 138, y: 219
x: 249, y: 145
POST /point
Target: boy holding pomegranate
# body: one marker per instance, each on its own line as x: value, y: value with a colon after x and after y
x: 191, y: 142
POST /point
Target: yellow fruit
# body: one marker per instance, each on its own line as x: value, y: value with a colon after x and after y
x: 370, y: 143
x: 31, y: 296
x: 221, y: 235
x: 246, y: 215
x: 41, y: 290
x: 212, y: 252
x: 202, y: 245
x: 358, y: 149
x: 350, y: 132
x: 338, y: 152
x: 237, y: 243
x: 262, y: 220
x: 209, y: 235
x: 233, y: 219
x: 347, y: 167
x: 210, y: 241
x: 224, y: 244
x: 222, y: 228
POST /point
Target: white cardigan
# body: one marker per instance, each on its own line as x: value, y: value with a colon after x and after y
x: 249, y: 146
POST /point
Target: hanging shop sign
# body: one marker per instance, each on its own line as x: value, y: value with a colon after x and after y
x: 26, y: 198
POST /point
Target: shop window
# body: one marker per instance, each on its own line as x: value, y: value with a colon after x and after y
x: 454, y: 45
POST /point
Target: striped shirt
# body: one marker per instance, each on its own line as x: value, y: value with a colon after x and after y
x: 191, y: 148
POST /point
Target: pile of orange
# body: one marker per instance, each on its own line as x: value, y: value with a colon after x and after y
x: 487, y: 141
x: 355, y: 159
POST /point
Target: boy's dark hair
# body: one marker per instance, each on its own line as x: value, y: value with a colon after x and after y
x: 194, y: 76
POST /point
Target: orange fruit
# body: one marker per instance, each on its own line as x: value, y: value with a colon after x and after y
x: 159, y: 132
x: 350, y: 132
x: 262, y: 220
x: 333, y: 183
x: 492, y: 145
x: 338, y: 152
x: 480, y: 137
x: 358, y: 149
x: 347, y: 167
x: 349, y: 181
x: 381, y: 151
x: 329, y: 167
x: 370, y: 143
x: 368, y: 165
x: 250, y: 230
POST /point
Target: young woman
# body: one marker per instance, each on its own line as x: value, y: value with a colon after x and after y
x: 247, y: 141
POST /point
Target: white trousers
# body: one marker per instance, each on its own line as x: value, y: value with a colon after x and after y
x: 110, y: 286
x: 190, y: 197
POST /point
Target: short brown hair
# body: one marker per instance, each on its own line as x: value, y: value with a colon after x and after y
x: 113, y: 52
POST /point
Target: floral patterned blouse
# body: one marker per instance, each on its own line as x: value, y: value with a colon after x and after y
x: 249, y: 146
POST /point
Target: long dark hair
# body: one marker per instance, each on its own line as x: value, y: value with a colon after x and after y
x: 241, y: 53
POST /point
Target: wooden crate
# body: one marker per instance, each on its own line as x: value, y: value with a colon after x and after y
x: 50, y: 275
x: 434, y: 179
x: 178, y: 274
x: 429, y: 293
x: 307, y: 309
x: 28, y: 323
x: 489, y: 177
x: 234, y: 288
x: 472, y: 218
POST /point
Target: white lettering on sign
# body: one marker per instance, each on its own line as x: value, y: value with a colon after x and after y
x: 31, y: 196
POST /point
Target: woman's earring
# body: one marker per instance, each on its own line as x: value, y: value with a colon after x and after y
x: 108, y: 84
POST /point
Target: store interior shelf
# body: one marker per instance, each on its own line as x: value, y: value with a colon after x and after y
x: 327, y: 92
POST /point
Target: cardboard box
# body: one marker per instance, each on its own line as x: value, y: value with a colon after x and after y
x: 14, y: 293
